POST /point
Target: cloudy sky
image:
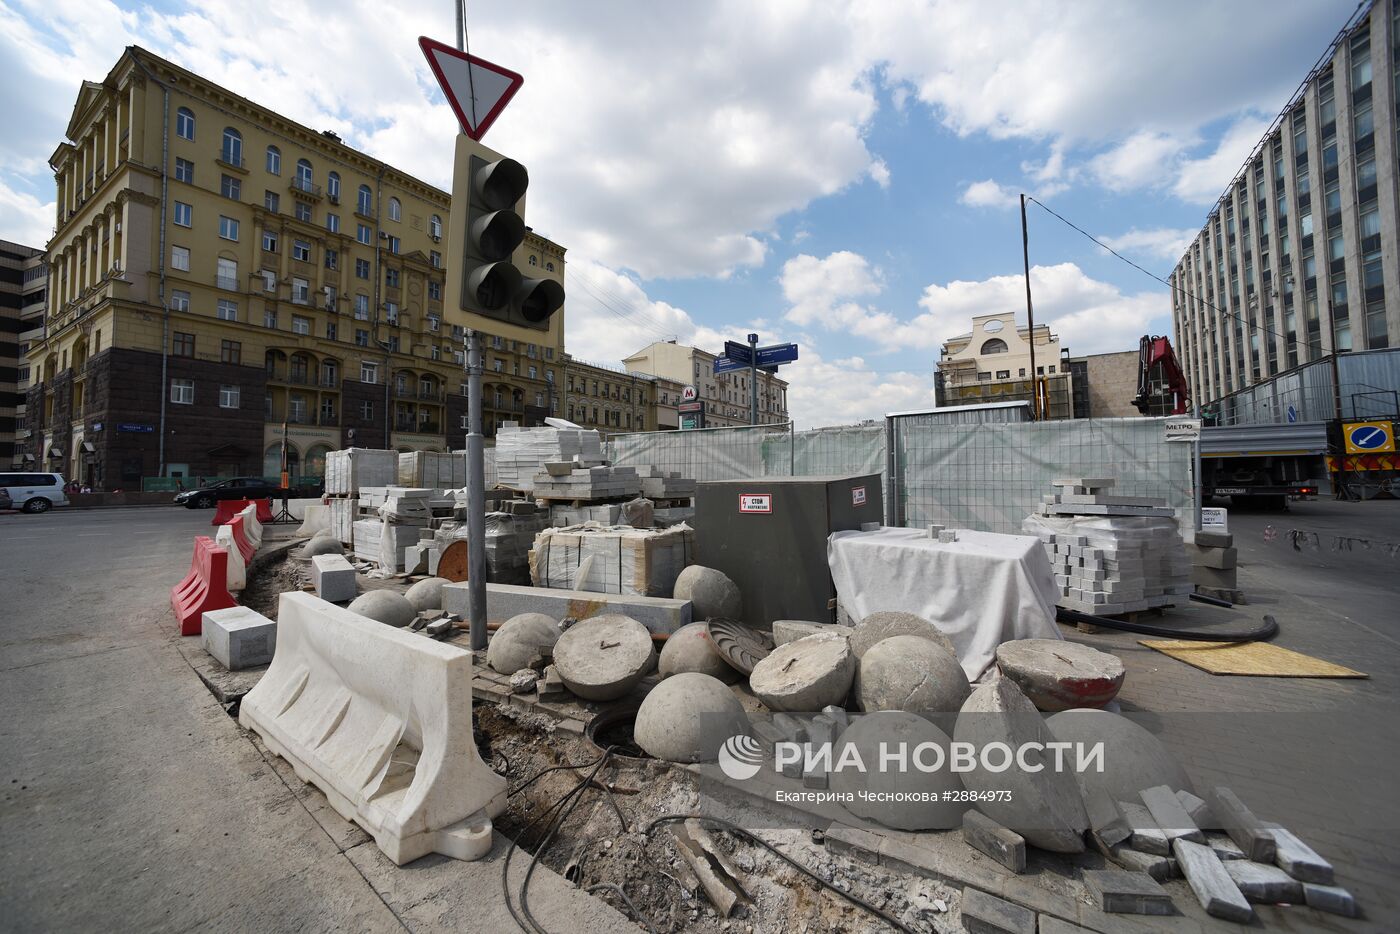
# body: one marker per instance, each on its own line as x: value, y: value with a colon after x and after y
x: 842, y: 175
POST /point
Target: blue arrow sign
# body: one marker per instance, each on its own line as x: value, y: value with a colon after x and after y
x: 725, y: 365
x: 1292, y: 414
x: 737, y: 352
x: 1367, y: 437
x: 778, y: 353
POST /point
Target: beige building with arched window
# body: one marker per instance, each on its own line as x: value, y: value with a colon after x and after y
x: 992, y: 363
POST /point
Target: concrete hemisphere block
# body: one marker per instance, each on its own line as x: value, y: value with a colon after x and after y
x: 885, y: 624
x: 900, y: 798
x: 386, y: 606
x: 604, y: 658
x: 711, y: 593
x: 790, y: 630
x: 688, y: 717
x: 321, y: 545
x: 1046, y: 805
x: 427, y: 594
x: 806, y: 675
x: 1133, y: 758
x: 1056, y: 675
x: 690, y: 649
x: 910, y: 673
x: 523, y: 641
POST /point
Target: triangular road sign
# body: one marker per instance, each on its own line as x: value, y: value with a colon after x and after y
x: 476, y: 89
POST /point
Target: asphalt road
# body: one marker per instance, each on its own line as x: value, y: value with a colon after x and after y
x: 130, y: 801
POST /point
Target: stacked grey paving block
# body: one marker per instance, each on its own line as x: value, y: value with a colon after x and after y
x: 522, y: 453
x: 1105, y: 819
x: 1158, y: 867
x: 987, y: 914
x: 658, y: 484
x: 1147, y: 836
x: 1111, y: 554
x: 1198, y: 810
x: 589, y: 483
x: 1119, y: 892
x: 239, y: 637
x: 333, y: 577
x: 1210, y: 882
x: 1330, y: 898
x: 657, y: 614
x: 1248, y: 831
x: 1298, y: 859
x: 987, y: 836
x: 1168, y: 813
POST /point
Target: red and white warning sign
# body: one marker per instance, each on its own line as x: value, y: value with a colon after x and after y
x: 858, y: 496
x: 755, y: 502
x: 477, y: 90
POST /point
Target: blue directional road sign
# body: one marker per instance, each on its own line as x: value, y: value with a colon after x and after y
x: 1369, y: 436
x: 778, y: 353
x: 737, y: 352
x: 1292, y: 414
x: 725, y: 365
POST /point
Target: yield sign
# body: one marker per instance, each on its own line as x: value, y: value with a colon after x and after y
x: 478, y: 90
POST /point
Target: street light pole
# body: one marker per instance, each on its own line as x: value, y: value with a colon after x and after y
x: 476, y: 497
x: 1030, y: 311
x: 753, y: 379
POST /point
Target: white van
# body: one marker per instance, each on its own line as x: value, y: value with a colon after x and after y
x: 34, y: 492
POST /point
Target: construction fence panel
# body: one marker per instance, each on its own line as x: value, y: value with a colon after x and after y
x: 708, y: 453
x: 990, y: 477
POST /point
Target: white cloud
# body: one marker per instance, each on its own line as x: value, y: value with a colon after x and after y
x: 1146, y: 159
x: 1166, y: 243
x: 1089, y: 315
x: 849, y: 390
x: 880, y: 173
x: 825, y: 292
x: 609, y: 315
x: 1203, y: 180
x: 989, y: 194
x: 25, y: 219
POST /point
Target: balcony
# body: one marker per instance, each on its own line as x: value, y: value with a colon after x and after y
x: 329, y: 382
x: 431, y: 395
x: 227, y: 282
x: 329, y: 420
x: 301, y: 378
x: 404, y: 424
x: 305, y: 188
x: 231, y: 160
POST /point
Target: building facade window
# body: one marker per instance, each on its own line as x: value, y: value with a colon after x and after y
x: 228, y: 228
x: 271, y: 201
x: 333, y: 223
x: 184, y: 123
x: 301, y: 325
x: 301, y: 290
x: 393, y: 244
x: 362, y: 201
x: 180, y: 258
x: 184, y: 171
x: 434, y: 290
x: 333, y: 187
x: 369, y: 372
x: 304, y: 176
x: 183, y: 345
x: 269, y: 240
x: 435, y: 227
x: 184, y: 214
x: 367, y: 408
x: 395, y: 210
x: 303, y: 211
x: 270, y: 318
x: 179, y: 300
x: 231, y: 150
x: 231, y: 351
x: 182, y: 391
x: 361, y: 269
x: 227, y: 276
x: 332, y: 259
x: 274, y: 160
x: 362, y: 307
x: 230, y: 187
x: 391, y: 278
x: 363, y: 234
x: 301, y: 251
x: 361, y: 337
x: 227, y: 310
x: 229, y: 397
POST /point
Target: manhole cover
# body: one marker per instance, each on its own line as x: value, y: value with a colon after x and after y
x: 739, y: 645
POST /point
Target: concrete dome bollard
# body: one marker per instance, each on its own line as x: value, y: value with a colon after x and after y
x: 1133, y: 758
x: 427, y: 594
x: 712, y: 595
x: 386, y: 606
x: 884, y: 624
x: 902, y: 798
x: 688, y: 717
x: 805, y: 675
x: 604, y: 658
x: 910, y: 673
x: 321, y: 545
x: 522, y: 642
x: 690, y: 649
x: 1057, y: 675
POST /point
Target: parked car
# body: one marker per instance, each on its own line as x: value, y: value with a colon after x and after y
x: 206, y: 497
x: 5, y: 501
x: 34, y: 492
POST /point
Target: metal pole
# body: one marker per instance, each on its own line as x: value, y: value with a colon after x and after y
x: 1030, y: 311
x: 753, y: 379
x: 461, y: 26
x: 1196, y: 470
x: 476, y: 497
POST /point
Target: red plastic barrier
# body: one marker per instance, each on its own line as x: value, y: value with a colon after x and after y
x: 228, y: 508
x: 240, y: 537
x: 204, y: 588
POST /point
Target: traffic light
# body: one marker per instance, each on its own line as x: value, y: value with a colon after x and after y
x: 491, y: 285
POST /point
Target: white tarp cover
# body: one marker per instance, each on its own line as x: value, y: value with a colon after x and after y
x: 982, y: 590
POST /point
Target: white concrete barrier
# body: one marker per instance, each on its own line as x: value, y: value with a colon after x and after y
x: 315, y: 516
x: 251, y: 525
x: 296, y: 508
x: 237, y: 570
x: 380, y: 719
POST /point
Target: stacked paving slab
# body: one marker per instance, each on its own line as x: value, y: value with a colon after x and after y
x: 1213, y: 560
x: 660, y: 484
x: 521, y: 453
x: 1111, y: 554
x: 586, y: 483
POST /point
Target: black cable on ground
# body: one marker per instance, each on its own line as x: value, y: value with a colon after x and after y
x: 1268, y: 630
x: 1213, y: 601
x: 543, y: 772
x: 611, y: 887
x: 515, y: 841
x: 577, y: 796
x: 753, y: 838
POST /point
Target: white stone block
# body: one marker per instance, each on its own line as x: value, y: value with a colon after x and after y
x: 334, y: 578
x: 238, y: 637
